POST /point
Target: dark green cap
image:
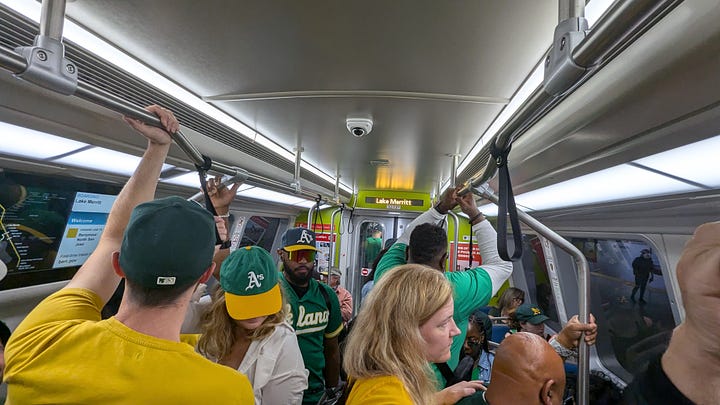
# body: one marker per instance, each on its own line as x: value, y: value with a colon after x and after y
x: 531, y: 314
x: 298, y: 239
x: 168, y: 242
x: 250, y: 280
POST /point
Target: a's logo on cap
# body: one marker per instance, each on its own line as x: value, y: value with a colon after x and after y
x: 165, y: 281
x: 254, y: 280
x: 305, y: 237
x: 535, y: 311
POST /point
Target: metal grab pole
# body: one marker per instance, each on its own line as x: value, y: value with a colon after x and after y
x: 536, y: 102
x: 453, y: 169
x: 16, y: 64
x: 571, y: 9
x: 331, y: 256
x: 454, y: 256
x: 225, y: 182
x: 310, y: 215
x: 583, y: 288
x: 617, y: 29
x: 621, y: 23
x: 11, y: 61
x: 52, y: 19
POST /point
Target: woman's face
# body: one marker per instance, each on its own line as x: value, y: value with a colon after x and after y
x: 438, y: 333
x: 250, y: 324
x: 473, y: 341
x: 515, y: 302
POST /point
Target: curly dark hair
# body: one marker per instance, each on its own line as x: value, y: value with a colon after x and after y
x: 4, y: 333
x: 427, y: 242
x: 482, y: 323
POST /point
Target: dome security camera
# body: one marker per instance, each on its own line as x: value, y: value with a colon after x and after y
x: 359, y: 127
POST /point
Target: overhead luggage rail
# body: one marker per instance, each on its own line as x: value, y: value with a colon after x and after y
x: 618, y: 28
x: 52, y: 63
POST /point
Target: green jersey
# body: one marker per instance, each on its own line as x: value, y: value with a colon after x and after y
x: 373, y: 246
x: 472, y: 289
x: 313, y: 322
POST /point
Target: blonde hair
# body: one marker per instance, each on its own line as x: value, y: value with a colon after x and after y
x: 218, y: 328
x: 386, y: 340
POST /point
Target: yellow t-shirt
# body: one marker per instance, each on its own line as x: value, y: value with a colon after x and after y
x: 62, y: 353
x: 378, y: 391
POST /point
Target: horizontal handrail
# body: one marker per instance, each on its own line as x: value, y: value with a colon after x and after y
x: 14, y: 63
x: 624, y: 21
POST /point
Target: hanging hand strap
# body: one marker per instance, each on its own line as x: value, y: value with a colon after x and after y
x: 506, y: 207
x: 470, y: 260
x: 341, y: 230
x: 316, y: 215
x: 202, y: 171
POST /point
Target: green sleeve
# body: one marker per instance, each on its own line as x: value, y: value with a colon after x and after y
x: 472, y: 290
x: 334, y: 325
x: 394, y: 257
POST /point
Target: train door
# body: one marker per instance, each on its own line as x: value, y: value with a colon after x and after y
x: 371, y: 232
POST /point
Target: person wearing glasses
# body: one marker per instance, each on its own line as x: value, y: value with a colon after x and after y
x: 526, y: 370
x: 478, y: 360
x: 313, y: 311
x: 510, y: 299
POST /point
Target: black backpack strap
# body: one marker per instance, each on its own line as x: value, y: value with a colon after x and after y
x: 447, y: 373
x: 326, y: 296
x: 506, y: 207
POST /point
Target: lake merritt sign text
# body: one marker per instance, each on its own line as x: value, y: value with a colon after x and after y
x: 395, y: 201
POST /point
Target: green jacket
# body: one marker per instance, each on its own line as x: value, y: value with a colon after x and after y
x: 472, y: 289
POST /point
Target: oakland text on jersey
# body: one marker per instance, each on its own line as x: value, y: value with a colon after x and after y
x: 308, y: 322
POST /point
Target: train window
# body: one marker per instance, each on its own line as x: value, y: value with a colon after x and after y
x: 372, y: 235
x: 255, y: 230
x: 627, y: 287
x: 538, y: 280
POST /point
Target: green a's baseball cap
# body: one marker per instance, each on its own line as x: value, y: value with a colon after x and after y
x: 531, y: 314
x: 250, y: 280
x: 168, y: 242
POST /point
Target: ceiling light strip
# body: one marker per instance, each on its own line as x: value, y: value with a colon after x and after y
x: 407, y: 95
x: 108, y: 52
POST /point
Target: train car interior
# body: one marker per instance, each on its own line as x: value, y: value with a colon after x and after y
x: 354, y: 117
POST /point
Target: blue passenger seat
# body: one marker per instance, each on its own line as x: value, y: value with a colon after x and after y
x: 498, y: 333
x: 485, y: 309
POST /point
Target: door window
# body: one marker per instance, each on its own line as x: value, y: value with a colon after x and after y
x: 628, y: 289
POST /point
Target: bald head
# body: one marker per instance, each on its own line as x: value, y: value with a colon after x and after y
x: 526, y: 370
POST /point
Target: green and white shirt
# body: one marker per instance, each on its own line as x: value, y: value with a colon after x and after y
x: 472, y: 289
x: 313, y: 322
